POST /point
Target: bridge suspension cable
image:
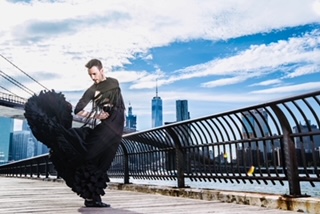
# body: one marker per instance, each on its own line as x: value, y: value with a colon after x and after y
x: 24, y: 73
x: 15, y: 82
x: 9, y: 91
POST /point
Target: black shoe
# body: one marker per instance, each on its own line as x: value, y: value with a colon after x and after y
x: 95, y: 204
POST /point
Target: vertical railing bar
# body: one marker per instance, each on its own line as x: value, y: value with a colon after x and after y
x: 211, y: 163
x: 245, y: 150
x: 273, y: 149
x: 202, y: 138
x: 236, y: 144
x: 224, y: 145
x: 218, y: 146
x: 237, y: 115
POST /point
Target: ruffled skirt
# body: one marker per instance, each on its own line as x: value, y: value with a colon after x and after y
x: 81, y: 156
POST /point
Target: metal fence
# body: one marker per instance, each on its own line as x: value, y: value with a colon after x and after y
x: 10, y: 100
x: 275, y: 141
x: 272, y: 142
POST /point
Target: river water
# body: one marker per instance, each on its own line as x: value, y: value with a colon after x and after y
x: 306, y: 188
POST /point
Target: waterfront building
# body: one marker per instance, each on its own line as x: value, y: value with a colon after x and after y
x: 22, y: 146
x: 156, y: 110
x: 182, y: 112
x: 131, y: 121
x: 6, y: 129
x: 39, y: 148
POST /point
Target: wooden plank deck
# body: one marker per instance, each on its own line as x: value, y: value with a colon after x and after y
x: 21, y: 195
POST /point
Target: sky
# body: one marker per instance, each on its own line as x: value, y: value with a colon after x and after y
x: 220, y: 55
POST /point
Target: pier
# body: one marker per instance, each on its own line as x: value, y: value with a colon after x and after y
x: 25, y: 195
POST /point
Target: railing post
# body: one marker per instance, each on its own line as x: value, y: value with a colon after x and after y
x: 38, y: 170
x: 179, y: 158
x: 180, y: 167
x: 31, y: 172
x: 291, y: 164
x: 47, y: 168
x: 126, y: 164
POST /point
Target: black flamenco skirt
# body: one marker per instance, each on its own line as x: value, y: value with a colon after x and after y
x: 81, y: 156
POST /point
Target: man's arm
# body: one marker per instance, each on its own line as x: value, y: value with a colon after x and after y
x: 83, y: 102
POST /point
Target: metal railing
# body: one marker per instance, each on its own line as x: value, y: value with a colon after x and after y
x: 10, y: 100
x: 39, y: 166
x: 272, y: 142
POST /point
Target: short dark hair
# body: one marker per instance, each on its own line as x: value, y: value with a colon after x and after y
x: 94, y: 62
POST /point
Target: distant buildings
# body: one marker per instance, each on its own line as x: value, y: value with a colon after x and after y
x: 17, y: 145
x: 22, y: 146
x: 131, y: 121
x: 25, y: 145
x: 306, y: 143
x: 156, y: 111
x: 255, y: 125
x: 182, y: 112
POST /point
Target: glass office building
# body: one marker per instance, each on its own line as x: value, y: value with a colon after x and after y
x: 156, y: 107
x: 6, y: 129
x: 182, y: 112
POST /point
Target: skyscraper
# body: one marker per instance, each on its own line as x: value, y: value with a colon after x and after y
x: 131, y: 120
x: 182, y: 112
x: 6, y: 129
x: 156, y: 107
x: 22, y: 145
x: 39, y: 148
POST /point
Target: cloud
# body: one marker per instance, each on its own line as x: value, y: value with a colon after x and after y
x: 52, y: 41
x: 316, y: 7
x: 257, y: 61
x: 223, y: 82
x: 268, y: 82
x: 120, y: 29
x: 304, y: 70
x: 290, y: 89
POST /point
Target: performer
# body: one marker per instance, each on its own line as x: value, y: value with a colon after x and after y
x: 82, y: 155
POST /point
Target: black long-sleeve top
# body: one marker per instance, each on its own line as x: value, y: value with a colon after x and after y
x: 104, y: 93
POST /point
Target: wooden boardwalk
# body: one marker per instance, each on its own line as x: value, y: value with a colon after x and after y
x: 21, y: 195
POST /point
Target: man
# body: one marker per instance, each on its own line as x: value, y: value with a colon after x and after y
x: 81, y: 156
x: 107, y: 106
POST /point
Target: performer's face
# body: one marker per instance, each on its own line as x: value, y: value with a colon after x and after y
x: 96, y: 75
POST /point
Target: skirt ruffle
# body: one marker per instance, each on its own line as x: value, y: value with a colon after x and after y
x: 49, y: 116
x: 90, y: 182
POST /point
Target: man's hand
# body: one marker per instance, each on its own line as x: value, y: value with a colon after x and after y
x: 103, y: 115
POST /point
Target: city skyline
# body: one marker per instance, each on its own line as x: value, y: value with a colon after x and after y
x: 255, y: 124
x: 220, y: 55
x: 18, y: 144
